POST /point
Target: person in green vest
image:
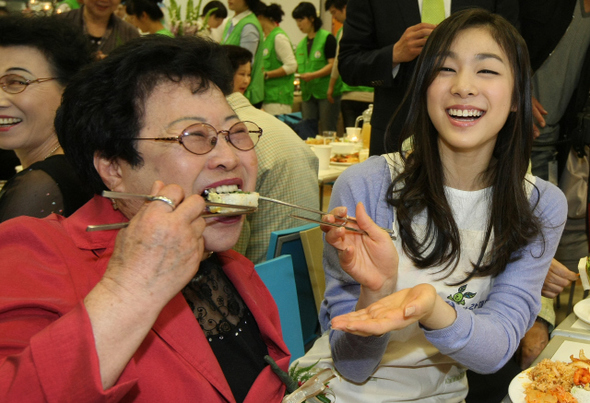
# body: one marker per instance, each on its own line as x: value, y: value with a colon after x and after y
x: 279, y: 61
x: 147, y: 16
x: 315, y: 56
x: 355, y: 100
x: 244, y: 30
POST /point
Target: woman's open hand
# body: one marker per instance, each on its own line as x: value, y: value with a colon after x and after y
x: 370, y: 259
x: 397, y: 311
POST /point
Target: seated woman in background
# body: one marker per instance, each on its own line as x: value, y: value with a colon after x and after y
x: 147, y: 16
x: 162, y: 310
x: 459, y: 282
x: 38, y: 57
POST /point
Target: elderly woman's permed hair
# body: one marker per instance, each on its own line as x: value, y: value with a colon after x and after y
x: 103, y: 107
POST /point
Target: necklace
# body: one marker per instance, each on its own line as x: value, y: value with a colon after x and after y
x: 52, y: 151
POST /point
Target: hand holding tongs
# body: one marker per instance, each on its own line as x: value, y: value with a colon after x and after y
x: 122, y: 195
x: 341, y: 221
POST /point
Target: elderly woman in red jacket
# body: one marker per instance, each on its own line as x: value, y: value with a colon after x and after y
x: 160, y: 310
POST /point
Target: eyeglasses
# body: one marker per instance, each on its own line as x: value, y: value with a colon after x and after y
x: 201, y: 138
x: 15, y: 84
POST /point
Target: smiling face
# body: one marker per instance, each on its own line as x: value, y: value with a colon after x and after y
x: 471, y: 97
x: 170, y: 109
x: 101, y: 9
x: 26, y: 119
x: 242, y: 77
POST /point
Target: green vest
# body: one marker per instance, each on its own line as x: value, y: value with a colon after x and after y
x: 276, y: 90
x: 165, y: 32
x: 350, y: 88
x: 72, y: 4
x: 255, y: 91
x: 313, y: 62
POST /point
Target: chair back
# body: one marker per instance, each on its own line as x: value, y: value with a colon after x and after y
x: 313, y: 248
x: 277, y: 275
x: 288, y: 242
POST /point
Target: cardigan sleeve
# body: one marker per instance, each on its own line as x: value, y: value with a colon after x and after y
x: 355, y: 357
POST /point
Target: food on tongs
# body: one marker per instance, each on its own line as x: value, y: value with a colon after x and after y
x: 230, y: 194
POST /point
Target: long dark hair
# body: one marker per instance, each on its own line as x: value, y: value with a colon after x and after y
x: 420, y: 187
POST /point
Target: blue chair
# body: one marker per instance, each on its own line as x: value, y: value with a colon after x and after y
x: 288, y: 242
x: 277, y: 275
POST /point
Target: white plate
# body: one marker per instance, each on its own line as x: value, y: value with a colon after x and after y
x: 582, y: 310
x: 516, y: 388
x: 344, y: 164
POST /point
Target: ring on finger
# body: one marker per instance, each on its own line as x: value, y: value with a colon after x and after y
x: 165, y: 200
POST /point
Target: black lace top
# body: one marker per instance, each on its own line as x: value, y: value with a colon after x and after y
x: 229, y: 326
x: 48, y: 186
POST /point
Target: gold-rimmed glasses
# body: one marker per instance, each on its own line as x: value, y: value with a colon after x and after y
x: 15, y: 84
x: 201, y: 138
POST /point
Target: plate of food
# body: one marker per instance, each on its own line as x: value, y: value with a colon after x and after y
x: 344, y: 159
x: 553, y: 382
x: 582, y: 310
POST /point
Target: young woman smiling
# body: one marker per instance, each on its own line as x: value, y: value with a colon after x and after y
x: 460, y: 283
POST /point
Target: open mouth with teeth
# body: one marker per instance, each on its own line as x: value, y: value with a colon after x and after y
x: 7, y: 122
x: 465, y: 114
x: 229, y: 194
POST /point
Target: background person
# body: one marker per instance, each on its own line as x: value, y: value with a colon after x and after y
x: 38, y: 57
x: 448, y: 285
x: 287, y: 169
x: 147, y: 16
x: 216, y: 18
x: 104, y: 30
x: 315, y: 57
x: 161, y: 310
x: 279, y: 61
x: 244, y: 30
x: 355, y: 100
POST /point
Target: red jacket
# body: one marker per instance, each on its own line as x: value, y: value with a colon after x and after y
x: 47, y: 350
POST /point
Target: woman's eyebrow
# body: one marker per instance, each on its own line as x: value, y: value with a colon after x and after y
x: 478, y: 56
x: 200, y: 119
x: 13, y: 69
x: 483, y: 56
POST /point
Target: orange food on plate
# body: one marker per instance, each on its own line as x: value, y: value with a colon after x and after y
x: 552, y: 381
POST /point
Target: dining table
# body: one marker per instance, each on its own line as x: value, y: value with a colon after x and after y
x: 328, y: 176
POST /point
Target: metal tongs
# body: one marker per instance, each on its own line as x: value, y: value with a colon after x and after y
x: 340, y: 221
x: 122, y: 195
